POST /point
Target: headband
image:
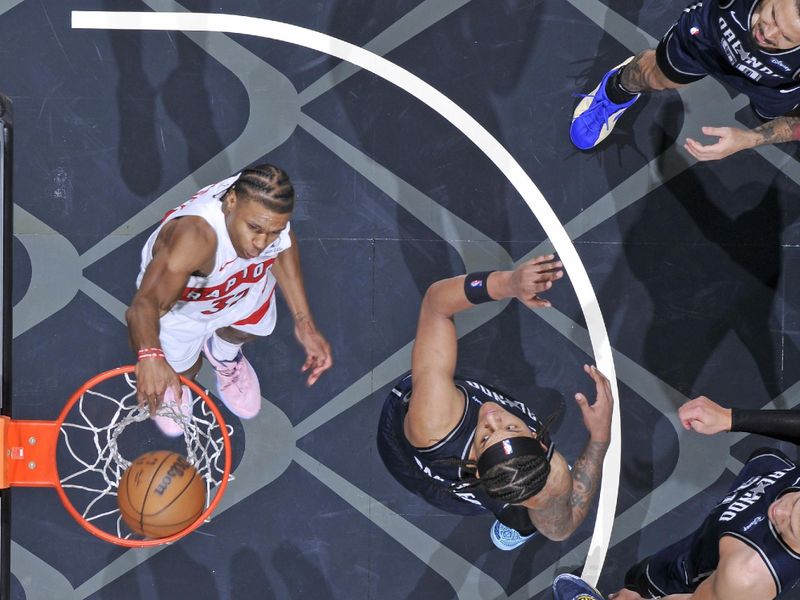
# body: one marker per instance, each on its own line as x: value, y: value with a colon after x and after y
x: 509, y: 448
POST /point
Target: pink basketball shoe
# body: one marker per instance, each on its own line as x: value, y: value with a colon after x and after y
x: 237, y: 383
x: 172, y: 415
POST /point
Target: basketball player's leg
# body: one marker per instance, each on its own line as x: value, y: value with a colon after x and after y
x: 237, y: 382
x: 670, y: 66
x: 644, y: 74
x: 235, y: 336
x: 192, y: 371
x: 181, y: 342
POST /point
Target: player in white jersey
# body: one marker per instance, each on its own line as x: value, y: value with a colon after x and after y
x: 207, y: 284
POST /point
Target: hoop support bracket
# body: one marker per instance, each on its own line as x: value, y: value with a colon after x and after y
x: 29, y: 450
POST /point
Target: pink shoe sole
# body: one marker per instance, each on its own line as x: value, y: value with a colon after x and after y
x: 168, y: 425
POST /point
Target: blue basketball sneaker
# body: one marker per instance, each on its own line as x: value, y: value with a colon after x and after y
x: 506, y: 538
x: 596, y: 115
x: 569, y: 587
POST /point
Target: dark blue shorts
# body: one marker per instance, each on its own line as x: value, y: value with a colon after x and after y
x: 662, y: 574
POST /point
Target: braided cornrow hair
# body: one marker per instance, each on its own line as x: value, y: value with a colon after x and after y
x: 514, y: 480
x: 268, y: 184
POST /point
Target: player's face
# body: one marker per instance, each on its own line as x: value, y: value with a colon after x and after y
x: 784, y: 514
x: 251, y: 226
x: 775, y: 25
x: 495, y: 424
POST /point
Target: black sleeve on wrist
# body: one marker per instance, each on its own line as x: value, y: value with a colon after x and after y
x: 781, y: 425
x: 476, y: 287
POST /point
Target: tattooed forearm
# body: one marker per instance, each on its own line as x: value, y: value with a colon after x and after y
x: 586, y: 473
x: 557, y: 516
x: 784, y: 129
x: 553, y: 518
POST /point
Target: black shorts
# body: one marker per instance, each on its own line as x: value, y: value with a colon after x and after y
x: 642, y: 580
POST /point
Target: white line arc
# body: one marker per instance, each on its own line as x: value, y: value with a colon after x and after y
x: 492, y: 148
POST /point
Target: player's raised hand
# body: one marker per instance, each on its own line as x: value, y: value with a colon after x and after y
x: 597, y: 416
x: 704, y: 416
x: 729, y: 141
x: 533, y: 277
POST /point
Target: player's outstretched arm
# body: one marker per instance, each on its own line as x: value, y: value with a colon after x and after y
x: 289, y: 276
x: 436, y: 402
x: 706, y: 416
x: 559, y: 514
x: 184, y: 246
x: 733, y: 139
x: 703, y: 415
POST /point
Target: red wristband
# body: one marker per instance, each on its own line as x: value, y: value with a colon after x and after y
x: 150, y: 353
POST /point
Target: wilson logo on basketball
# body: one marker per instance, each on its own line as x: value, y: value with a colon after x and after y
x: 171, y: 497
x: 176, y: 470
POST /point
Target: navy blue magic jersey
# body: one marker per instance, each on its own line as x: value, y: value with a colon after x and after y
x: 413, y: 467
x: 742, y: 514
x: 717, y: 34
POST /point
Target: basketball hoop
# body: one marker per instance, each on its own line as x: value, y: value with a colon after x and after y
x: 84, y: 452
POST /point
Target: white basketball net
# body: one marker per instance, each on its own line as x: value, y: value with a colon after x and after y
x: 91, y: 433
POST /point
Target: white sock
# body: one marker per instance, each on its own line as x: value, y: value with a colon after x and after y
x: 222, y: 349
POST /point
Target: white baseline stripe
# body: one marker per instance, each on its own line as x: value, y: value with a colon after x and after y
x: 481, y: 138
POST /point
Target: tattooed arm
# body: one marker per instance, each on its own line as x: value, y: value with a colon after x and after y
x: 557, y: 513
x: 733, y: 139
x: 563, y: 504
x: 643, y: 74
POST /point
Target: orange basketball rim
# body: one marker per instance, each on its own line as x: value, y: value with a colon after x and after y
x: 29, y: 458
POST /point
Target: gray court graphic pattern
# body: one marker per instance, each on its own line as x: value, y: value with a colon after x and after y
x: 55, y: 283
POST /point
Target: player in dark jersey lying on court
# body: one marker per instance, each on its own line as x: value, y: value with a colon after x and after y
x: 751, y: 45
x: 467, y: 448
x: 748, y: 548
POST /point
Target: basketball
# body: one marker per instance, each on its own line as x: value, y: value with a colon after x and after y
x: 161, y: 494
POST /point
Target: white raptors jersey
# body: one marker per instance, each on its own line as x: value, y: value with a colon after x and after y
x: 237, y: 291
